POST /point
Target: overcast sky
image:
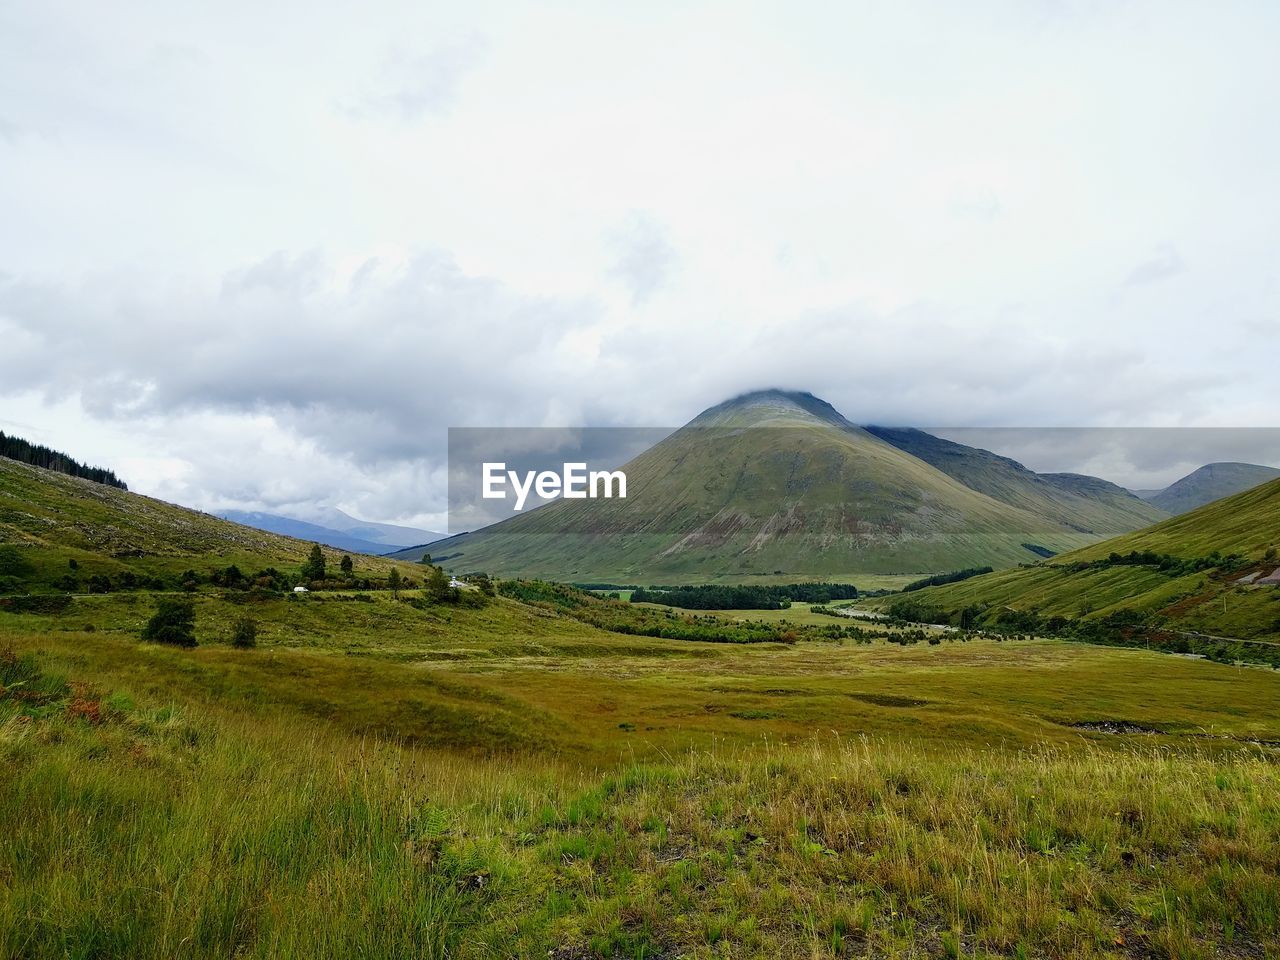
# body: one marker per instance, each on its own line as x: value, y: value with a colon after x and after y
x: 263, y: 255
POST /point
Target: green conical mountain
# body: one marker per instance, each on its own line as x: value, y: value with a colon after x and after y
x: 771, y: 484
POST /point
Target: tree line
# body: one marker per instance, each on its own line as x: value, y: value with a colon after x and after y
x: 754, y: 597
x: 939, y: 579
x: 38, y: 455
x: 1164, y: 562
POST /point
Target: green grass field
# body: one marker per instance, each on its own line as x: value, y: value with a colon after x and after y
x: 379, y: 780
x: 797, y: 613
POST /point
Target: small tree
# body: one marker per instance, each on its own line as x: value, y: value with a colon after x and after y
x: 313, y: 569
x: 174, y: 622
x: 1270, y: 555
x: 426, y: 560
x: 485, y: 584
x: 393, y: 582
x: 347, y: 565
x: 245, y: 634
x: 437, y: 587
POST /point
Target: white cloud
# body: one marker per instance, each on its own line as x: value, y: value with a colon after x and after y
x: 645, y: 257
x: 1165, y: 262
x: 414, y: 85
x: 547, y: 215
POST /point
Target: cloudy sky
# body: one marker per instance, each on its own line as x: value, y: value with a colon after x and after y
x: 264, y: 255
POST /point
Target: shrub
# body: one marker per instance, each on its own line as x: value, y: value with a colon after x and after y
x: 174, y: 622
x: 13, y: 563
x: 245, y: 634
x: 36, y: 603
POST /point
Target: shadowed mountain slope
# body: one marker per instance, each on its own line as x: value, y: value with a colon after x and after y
x: 1211, y: 482
x: 1085, y: 504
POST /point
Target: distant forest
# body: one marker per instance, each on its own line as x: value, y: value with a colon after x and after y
x: 941, y: 578
x: 15, y: 448
x: 715, y: 597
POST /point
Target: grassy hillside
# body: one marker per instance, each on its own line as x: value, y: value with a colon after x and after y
x: 1209, y: 483
x: 1201, y: 594
x: 771, y: 484
x: 389, y: 775
x: 48, y: 520
x: 381, y: 780
x: 1085, y: 504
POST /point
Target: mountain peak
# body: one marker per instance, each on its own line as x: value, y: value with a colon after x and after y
x: 1211, y: 482
x: 761, y: 407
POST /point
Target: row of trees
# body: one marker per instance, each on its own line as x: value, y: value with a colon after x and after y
x: 940, y: 578
x: 1164, y: 562
x: 38, y: 455
x: 437, y: 585
x: 771, y: 597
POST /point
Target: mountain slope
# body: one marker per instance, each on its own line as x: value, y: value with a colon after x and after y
x: 1204, y: 593
x: 38, y: 455
x: 389, y: 534
x: 1211, y: 482
x: 769, y: 484
x: 371, y: 538
x: 1081, y: 503
x: 49, y: 519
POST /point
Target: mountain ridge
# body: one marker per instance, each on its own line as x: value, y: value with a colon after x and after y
x: 361, y: 536
x: 1208, y: 483
x: 1087, y: 504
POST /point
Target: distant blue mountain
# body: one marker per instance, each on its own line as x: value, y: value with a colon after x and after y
x: 360, y: 537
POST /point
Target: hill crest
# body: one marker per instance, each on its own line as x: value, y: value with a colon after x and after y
x: 1208, y: 483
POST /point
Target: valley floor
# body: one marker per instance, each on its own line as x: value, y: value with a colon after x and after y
x: 381, y: 780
